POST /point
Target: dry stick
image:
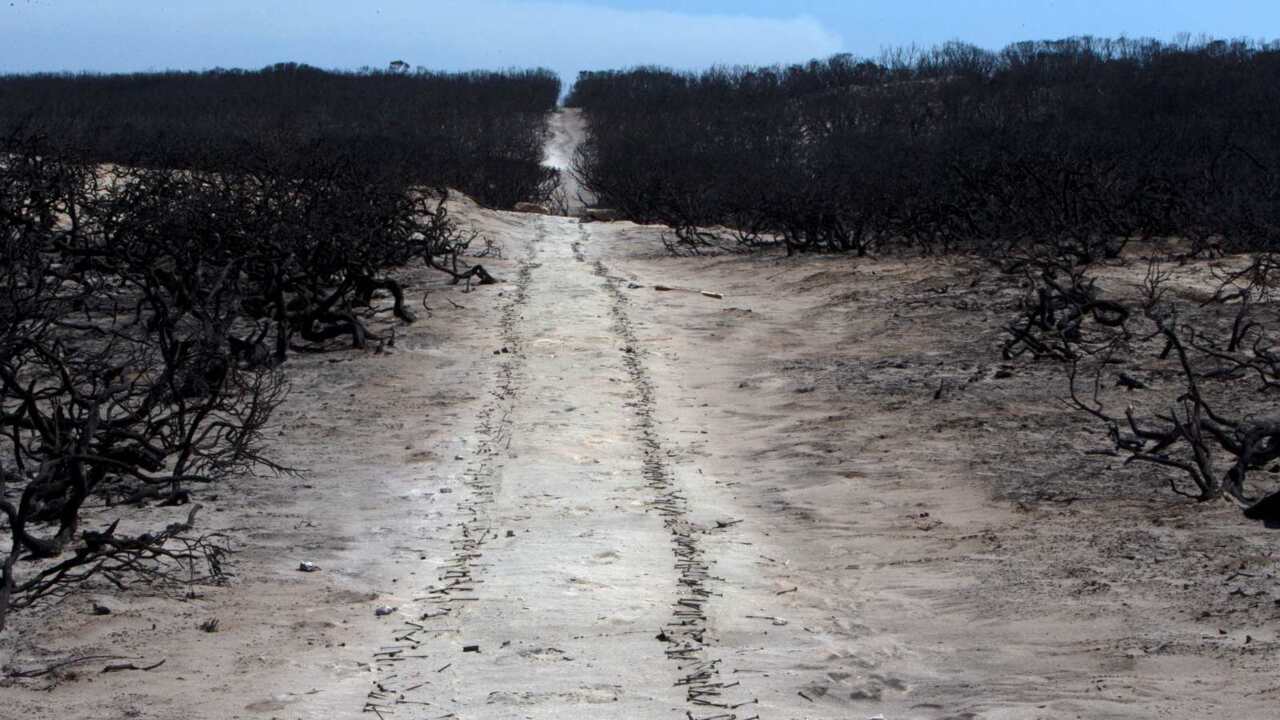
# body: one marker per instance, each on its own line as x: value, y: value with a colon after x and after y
x: 705, y: 293
x: 130, y: 666
x: 58, y: 666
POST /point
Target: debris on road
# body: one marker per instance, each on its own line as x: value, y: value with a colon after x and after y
x: 704, y: 293
x: 130, y: 666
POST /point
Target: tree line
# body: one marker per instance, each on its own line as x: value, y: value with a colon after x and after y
x: 1086, y: 143
x: 479, y: 132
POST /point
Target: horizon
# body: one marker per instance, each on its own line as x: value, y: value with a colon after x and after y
x: 78, y: 36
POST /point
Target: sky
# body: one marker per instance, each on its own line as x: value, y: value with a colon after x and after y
x: 139, y: 35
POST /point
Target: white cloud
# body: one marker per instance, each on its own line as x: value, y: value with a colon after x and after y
x: 582, y: 36
x: 446, y: 34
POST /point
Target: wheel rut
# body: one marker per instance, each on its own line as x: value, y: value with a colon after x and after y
x: 687, y: 635
x: 444, y: 604
x: 555, y: 596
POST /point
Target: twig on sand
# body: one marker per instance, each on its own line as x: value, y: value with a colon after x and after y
x: 704, y: 293
x: 60, y: 665
x: 130, y: 666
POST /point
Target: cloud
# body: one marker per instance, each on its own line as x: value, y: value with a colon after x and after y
x: 444, y: 34
x: 591, y: 37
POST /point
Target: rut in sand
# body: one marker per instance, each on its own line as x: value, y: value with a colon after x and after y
x: 569, y: 528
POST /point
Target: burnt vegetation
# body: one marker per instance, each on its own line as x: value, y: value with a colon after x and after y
x: 1059, y: 162
x: 1075, y: 146
x: 148, y: 305
x: 480, y: 133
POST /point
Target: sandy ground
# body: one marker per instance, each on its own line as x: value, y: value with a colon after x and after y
x: 821, y: 496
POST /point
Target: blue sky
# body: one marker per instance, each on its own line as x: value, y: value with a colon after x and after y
x: 129, y: 35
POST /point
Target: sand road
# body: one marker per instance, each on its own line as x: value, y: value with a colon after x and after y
x: 561, y: 575
x: 574, y: 496
x: 566, y: 130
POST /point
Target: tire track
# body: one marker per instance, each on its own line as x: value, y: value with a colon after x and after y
x: 578, y: 253
x: 447, y: 600
x: 687, y: 635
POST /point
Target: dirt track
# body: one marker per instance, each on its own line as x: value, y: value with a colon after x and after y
x: 566, y: 130
x: 819, y: 497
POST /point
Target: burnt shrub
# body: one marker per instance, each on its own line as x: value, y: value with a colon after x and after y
x: 479, y: 132
x: 145, y: 317
x: 1073, y: 147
